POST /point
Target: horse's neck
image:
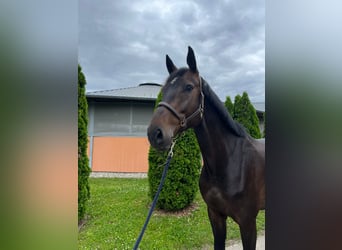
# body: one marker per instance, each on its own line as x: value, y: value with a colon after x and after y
x: 215, y: 139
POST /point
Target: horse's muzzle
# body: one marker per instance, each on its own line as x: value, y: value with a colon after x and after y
x: 158, y: 138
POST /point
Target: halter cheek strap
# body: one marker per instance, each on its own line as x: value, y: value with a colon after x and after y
x: 183, y: 120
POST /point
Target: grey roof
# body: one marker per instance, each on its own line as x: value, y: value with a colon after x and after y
x: 145, y: 91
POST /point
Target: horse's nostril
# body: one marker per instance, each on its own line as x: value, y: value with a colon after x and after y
x: 159, y: 136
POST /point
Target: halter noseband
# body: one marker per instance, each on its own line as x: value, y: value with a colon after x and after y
x: 183, y: 120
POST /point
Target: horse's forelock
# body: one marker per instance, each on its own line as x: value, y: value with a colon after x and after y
x: 176, y: 74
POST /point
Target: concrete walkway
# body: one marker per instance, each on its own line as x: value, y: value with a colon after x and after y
x: 260, y: 244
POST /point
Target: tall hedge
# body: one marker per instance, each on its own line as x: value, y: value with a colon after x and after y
x: 83, y: 162
x: 245, y: 113
x: 229, y: 105
x: 181, y: 183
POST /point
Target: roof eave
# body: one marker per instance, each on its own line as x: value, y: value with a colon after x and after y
x: 121, y: 98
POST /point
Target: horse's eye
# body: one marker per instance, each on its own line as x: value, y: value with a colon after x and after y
x: 189, y: 87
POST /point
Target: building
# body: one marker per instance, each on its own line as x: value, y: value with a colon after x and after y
x: 117, y: 127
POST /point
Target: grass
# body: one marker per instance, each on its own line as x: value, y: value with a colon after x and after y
x: 118, y: 208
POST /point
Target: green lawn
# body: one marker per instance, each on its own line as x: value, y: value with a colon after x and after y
x: 118, y: 208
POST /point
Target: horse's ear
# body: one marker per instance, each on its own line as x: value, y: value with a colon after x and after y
x: 169, y: 64
x: 191, y: 60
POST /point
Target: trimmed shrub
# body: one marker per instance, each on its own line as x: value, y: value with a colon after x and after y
x: 83, y: 162
x: 229, y: 105
x: 245, y: 113
x: 181, y: 183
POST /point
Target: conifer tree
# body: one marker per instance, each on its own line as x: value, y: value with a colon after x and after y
x: 83, y: 162
x: 229, y: 105
x: 245, y: 113
x: 236, y: 100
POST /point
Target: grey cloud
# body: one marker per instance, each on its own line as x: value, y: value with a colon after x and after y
x: 123, y: 43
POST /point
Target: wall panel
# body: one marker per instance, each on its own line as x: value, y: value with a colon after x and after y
x: 120, y: 154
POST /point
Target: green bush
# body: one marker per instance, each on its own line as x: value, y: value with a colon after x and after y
x: 229, y: 105
x: 181, y: 183
x: 83, y: 162
x: 245, y: 113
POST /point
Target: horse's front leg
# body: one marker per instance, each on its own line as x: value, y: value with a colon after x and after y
x: 248, y: 234
x: 218, y: 226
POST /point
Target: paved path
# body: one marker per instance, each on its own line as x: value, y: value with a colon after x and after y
x: 260, y: 244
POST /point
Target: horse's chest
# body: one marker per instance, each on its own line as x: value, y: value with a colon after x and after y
x: 215, y: 197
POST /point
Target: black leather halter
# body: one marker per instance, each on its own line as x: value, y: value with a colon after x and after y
x: 183, y: 120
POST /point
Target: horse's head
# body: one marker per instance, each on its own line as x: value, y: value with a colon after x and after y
x: 181, y: 106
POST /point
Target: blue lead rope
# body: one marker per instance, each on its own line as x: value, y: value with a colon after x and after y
x: 155, y: 199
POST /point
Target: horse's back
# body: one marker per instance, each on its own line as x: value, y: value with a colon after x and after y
x: 259, y: 163
x: 260, y: 146
x: 261, y: 140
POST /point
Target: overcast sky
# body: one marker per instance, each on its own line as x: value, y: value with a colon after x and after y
x: 124, y: 43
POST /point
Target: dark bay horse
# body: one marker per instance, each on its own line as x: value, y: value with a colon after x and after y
x: 232, y: 181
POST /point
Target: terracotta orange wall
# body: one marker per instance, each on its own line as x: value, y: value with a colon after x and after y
x: 120, y: 154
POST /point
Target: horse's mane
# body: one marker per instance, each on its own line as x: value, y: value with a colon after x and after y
x: 222, y: 111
